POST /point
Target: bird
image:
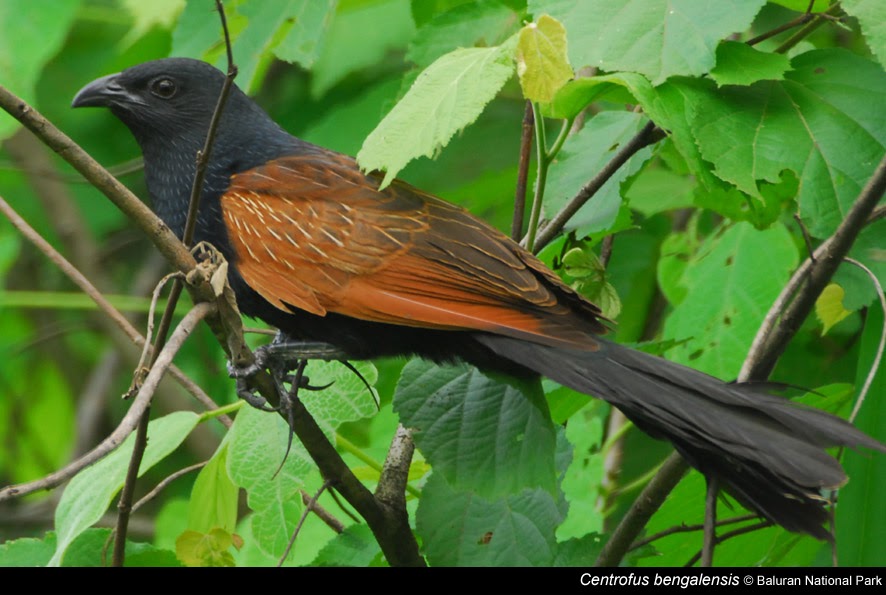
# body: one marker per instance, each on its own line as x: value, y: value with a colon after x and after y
x: 325, y: 253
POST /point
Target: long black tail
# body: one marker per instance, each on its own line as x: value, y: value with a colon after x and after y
x: 765, y: 450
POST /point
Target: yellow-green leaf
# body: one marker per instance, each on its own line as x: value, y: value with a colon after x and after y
x: 542, y: 62
x: 829, y: 307
x: 206, y: 549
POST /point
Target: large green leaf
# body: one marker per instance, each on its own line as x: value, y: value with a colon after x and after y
x: 29, y: 36
x: 258, y: 443
x: 293, y: 30
x: 740, y: 64
x: 355, y: 546
x: 729, y: 285
x: 213, y: 502
x: 658, y: 38
x: 446, y: 97
x: 485, y: 22
x: 871, y: 14
x: 824, y: 122
x: 860, y: 520
x: 586, y: 153
x: 462, y: 528
x: 87, y: 496
x: 360, y: 34
x: 481, y: 433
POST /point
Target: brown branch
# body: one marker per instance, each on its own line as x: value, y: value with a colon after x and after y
x: 650, y: 134
x: 761, y: 358
x: 391, y: 488
x: 523, y: 172
x: 729, y: 535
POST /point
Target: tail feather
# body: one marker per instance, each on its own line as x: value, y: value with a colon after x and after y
x: 765, y: 450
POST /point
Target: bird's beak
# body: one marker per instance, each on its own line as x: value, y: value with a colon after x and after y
x: 101, y: 93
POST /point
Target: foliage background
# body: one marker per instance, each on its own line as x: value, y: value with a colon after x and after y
x: 705, y: 242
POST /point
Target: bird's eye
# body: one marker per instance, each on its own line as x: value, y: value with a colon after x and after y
x: 163, y: 88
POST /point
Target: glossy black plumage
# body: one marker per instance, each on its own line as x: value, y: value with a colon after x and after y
x: 318, y: 251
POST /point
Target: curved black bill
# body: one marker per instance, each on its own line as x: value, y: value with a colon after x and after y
x: 101, y: 92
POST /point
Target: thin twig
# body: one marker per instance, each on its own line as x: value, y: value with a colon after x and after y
x: 166, y: 481
x: 129, y: 421
x: 878, y: 356
x: 710, y: 522
x: 324, y: 515
x: 301, y: 521
x: 204, y: 154
x: 650, y: 134
x: 522, y: 172
x: 819, y: 20
x: 689, y: 529
x: 734, y: 533
x: 761, y: 357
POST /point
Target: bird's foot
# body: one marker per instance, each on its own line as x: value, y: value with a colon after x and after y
x: 281, y: 357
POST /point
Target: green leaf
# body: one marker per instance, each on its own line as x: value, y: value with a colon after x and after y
x: 87, y: 496
x: 213, y: 502
x: 730, y: 284
x: 806, y: 123
x: 446, y: 97
x: 587, y: 152
x: 829, y: 307
x: 147, y: 15
x: 871, y: 15
x: 583, y: 265
x: 26, y: 552
x: 740, y: 64
x: 860, y: 520
x: 258, y: 443
x: 581, y: 552
x: 355, y: 546
x: 462, y: 528
x: 293, y: 29
x: 303, y: 41
x: 480, y: 433
x: 577, y: 94
x: 360, y: 35
x: 582, y: 480
x: 657, y: 38
x: 29, y: 36
x: 657, y: 189
x: 485, y: 23
x: 542, y: 63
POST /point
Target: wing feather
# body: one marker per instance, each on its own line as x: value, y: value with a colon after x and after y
x: 312, y: 232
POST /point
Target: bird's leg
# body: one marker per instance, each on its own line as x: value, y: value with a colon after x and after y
x: 281, y: 356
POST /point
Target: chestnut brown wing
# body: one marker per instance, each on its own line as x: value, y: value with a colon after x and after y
x: 312, y: 232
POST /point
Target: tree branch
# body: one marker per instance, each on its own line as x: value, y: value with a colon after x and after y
x: 761, y: 358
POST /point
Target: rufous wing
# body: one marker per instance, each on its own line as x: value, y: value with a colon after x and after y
x: 312, y: 232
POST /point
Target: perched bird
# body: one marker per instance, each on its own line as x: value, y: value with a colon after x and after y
x: 320, y: 252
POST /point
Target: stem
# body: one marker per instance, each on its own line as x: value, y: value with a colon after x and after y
x: 541, y: 176
x: 522, y: 172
